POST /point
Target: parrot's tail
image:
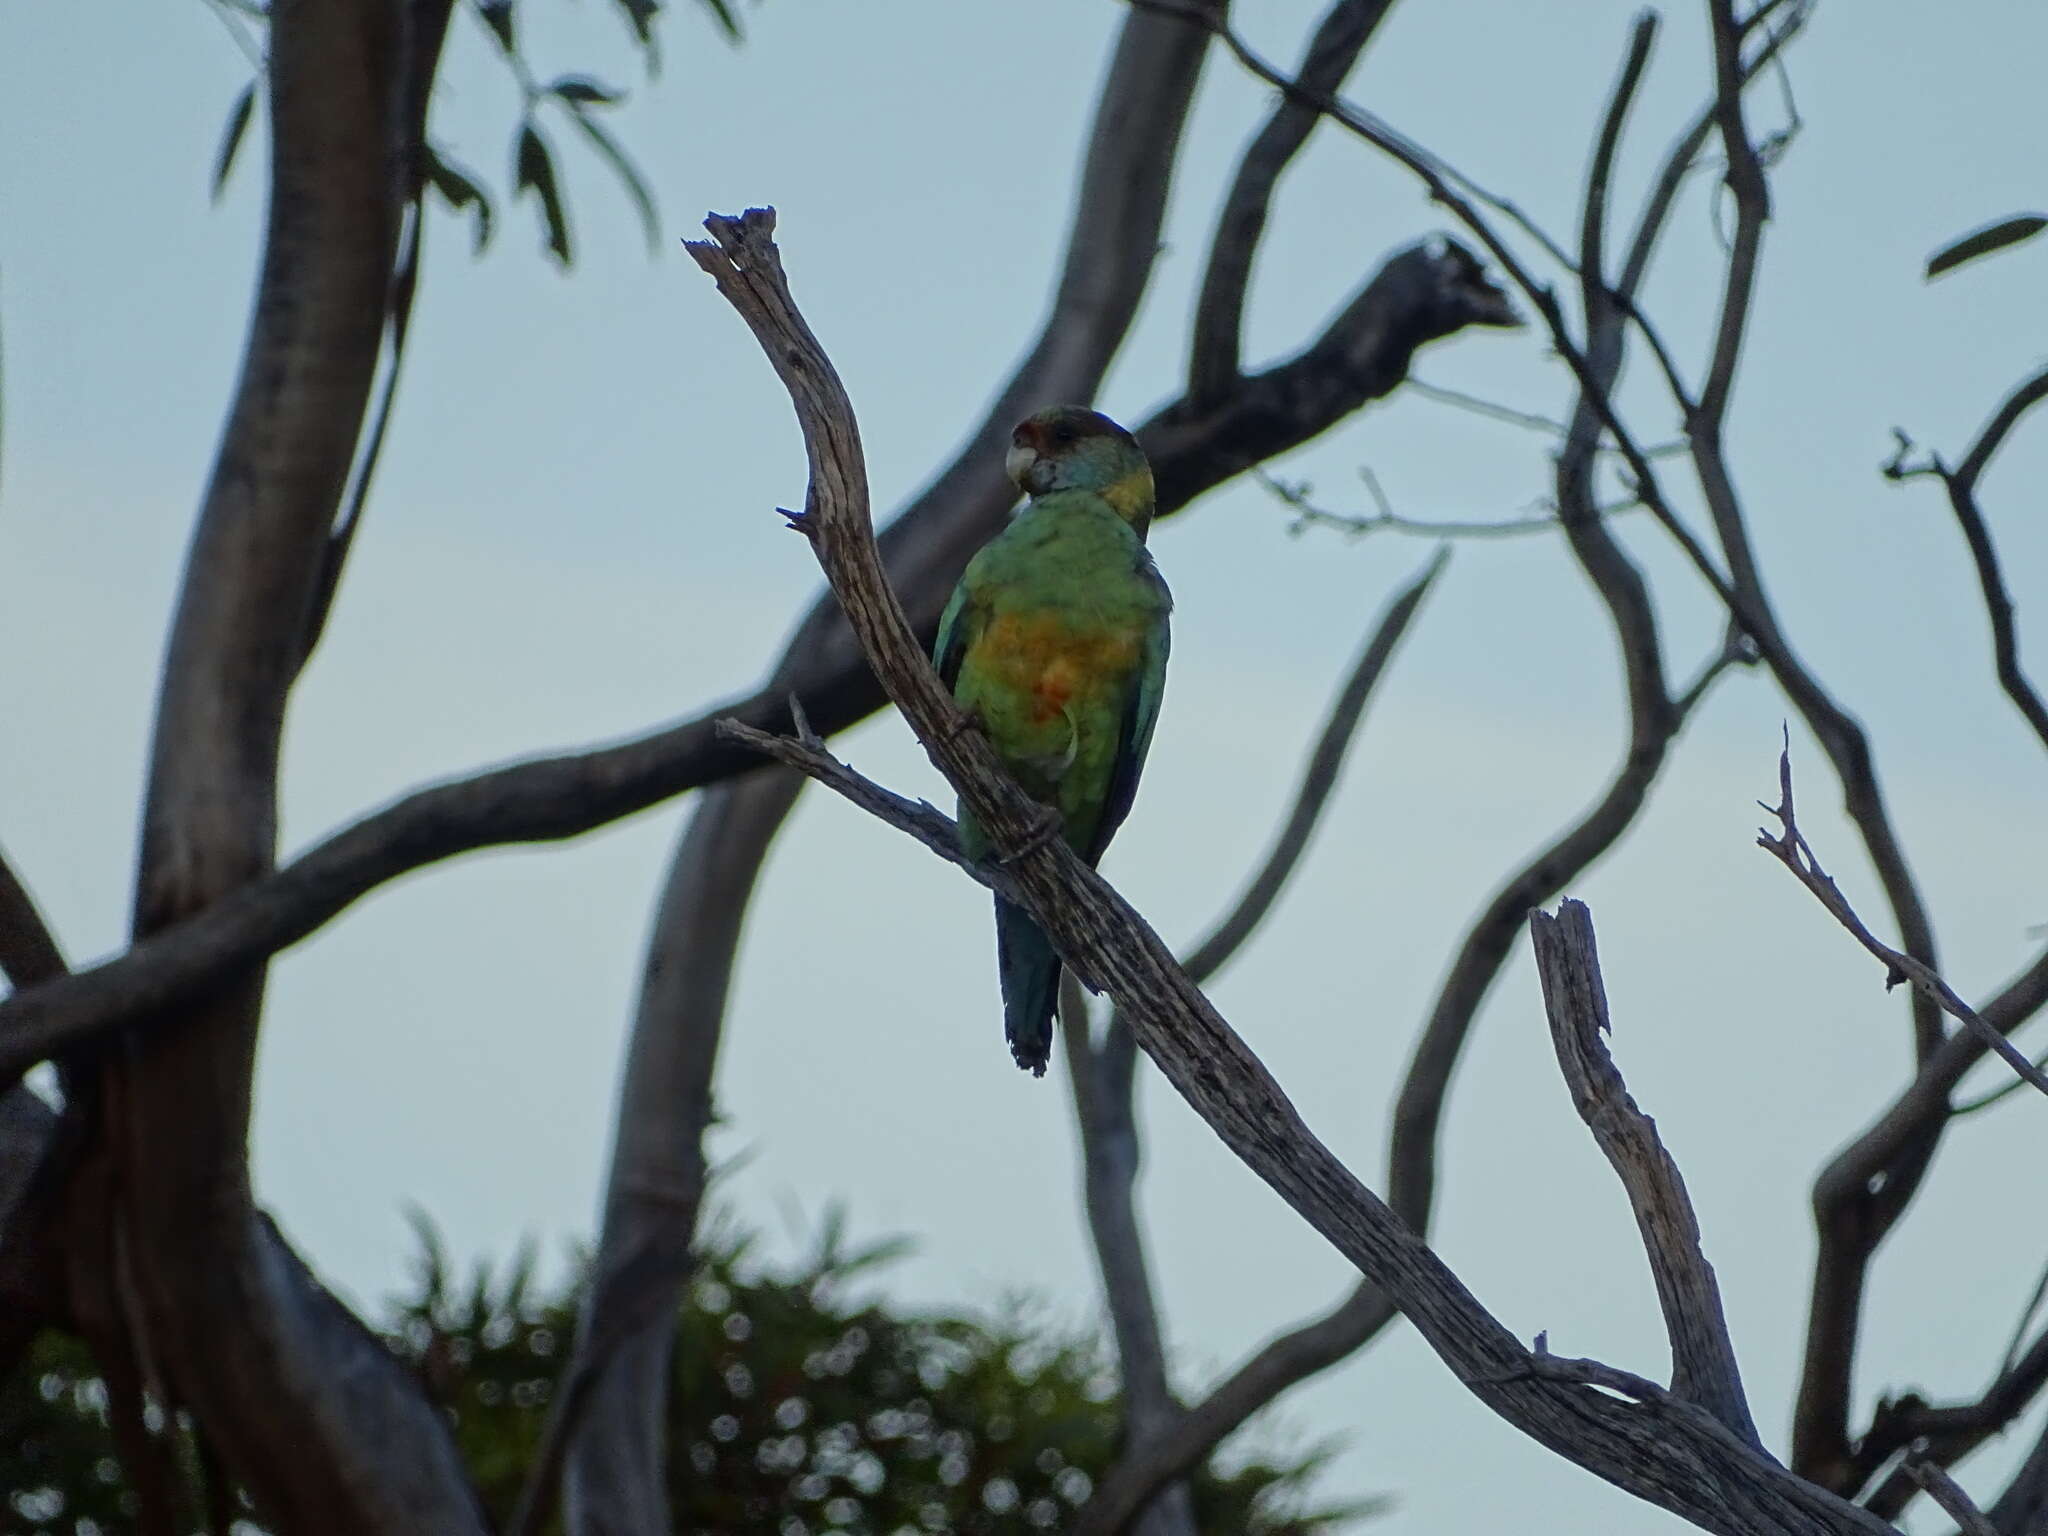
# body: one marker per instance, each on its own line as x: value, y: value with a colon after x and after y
x: 1030, y: 974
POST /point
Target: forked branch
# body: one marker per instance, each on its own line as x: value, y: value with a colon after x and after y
x: 1659, y: 1448
x: 1703, y: 1368
x: 1792, y: 850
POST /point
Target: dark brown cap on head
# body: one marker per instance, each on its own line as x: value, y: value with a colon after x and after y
x: 1059, y: 427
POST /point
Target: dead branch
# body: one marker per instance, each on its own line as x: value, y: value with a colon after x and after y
x: 28, y: 1266
x: 616, y: 1475
x: 1949, y: 1494
x: 1297, y: 499
x: 1791, y: 849
x: 1942, y: 1434
x: 615, y: 1468
x: 2022, y: 1507
x: 1960, y: 484
x: 1655, y: 719
x: 1860, y: 1193
x: 1318, y: 779
x: 1443, y: 183
x: 28, y: 951
x: 1421, y: 295
x: 1750, y: 192
x: 1110, y: 1155
x: 1309, y: 1348
x: 1667, y: 1452
x: 1703, y: 1368
x: 1215, y: 351
x: 1162, y: 1438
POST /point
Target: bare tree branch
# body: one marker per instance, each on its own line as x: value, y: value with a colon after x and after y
x: 1949, y: 1494
x: 2022, y: 1508
x: 1105, y: 1102
x: 28, y: 1278
x: 28, y: 952
x: 1318, y: 779
x: 1701, y: 1471
x: 1852, y: 1218
x: 313, y: 1416
x: 1857, y: 1198
x: 428, y: 34
x: 2022, y: 400
x: 1741, y: 592
x: 1296, y: 497
x: 1941, y: 1435
x: 1443, y: 183
x: 1110, y: 1154
x: 1703, y: 1368
x: 1422, y: 294
x: 28, y: 1270
x: 1215, y: 353
x: 1659, y: 1448
x: 616, y: 1463
x: 1744, y: 176
x: 1655, y: 719
x: 616, y: 1476
x: 1592, y: 264
x: 1961, y: 486
x: 1792, y: 850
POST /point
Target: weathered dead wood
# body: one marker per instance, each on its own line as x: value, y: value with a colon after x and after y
x: 1650, y: 1443
x: 1703, y: 1368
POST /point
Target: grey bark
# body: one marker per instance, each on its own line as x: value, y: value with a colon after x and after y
x: 303, y: 1404
x: 616, y: 1458
x: 1621, y: 1427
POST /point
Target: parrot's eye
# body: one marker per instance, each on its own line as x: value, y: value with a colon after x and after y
x: 1063, y: 434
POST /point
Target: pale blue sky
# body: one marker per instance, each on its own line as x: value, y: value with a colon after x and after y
x: 572, y: 537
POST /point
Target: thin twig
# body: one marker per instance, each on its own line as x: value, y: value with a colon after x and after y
x: 1791, y: 849
x: 1949, y: 1494
x: 1295, y: 497
x: 1960, y: 484
x: 1443, y: 183
x: 2019, y: 1332
x: 1532, y: 421
x: 2003, y: 1091
x: 1216, y: 342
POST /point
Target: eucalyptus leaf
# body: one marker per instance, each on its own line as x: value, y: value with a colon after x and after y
x: 535, y: 168
x: 1982, y: 242
x: 231, y: 139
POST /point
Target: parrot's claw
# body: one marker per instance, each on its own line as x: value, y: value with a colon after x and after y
x: 963, y: 721
x: 1044, y: 828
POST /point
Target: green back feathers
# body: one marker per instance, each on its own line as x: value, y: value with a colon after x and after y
x: 1056, y: 639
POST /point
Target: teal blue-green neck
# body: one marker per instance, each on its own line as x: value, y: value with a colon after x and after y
x: 1111, y: 468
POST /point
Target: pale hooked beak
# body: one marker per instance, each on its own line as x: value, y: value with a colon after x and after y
x: 1018, y: 461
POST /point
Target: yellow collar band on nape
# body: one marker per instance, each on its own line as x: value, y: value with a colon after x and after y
x: 1131, y: 497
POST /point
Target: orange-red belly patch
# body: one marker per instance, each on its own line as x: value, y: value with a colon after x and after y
x: 1049, y: 659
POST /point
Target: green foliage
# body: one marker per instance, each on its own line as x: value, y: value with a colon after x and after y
x: 800, y: 1404
x: 579, y: 98
x: 58, y: 1471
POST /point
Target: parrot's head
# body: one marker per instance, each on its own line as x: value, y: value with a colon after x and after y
x: 1071, y: 448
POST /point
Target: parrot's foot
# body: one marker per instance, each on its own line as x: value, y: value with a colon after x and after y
x: 1045, y: 826
x: 963, y: 721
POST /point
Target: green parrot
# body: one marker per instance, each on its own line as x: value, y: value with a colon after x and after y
x: 1055, y: 640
